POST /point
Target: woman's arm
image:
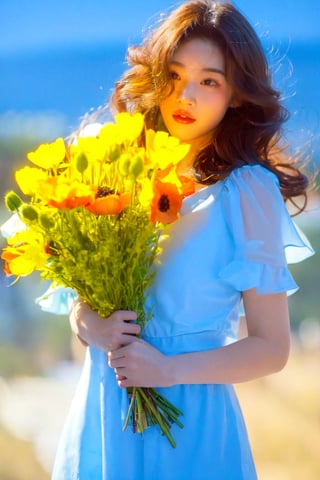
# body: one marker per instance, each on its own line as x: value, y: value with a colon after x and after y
x: 264, y: 351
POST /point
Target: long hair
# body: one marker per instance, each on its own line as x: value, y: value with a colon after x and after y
x: 251, y: 131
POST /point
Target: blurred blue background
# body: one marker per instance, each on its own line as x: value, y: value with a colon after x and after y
x: 60, y: 59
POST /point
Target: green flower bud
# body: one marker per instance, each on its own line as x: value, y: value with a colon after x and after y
x: 137, y: 166
x: 124, y: 164
x: 82, y: 162
x: 114, y: 153
x: 12, y: 201
x: 29, y: 213
x: 46, y: 221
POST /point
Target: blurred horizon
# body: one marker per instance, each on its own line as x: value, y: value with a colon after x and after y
x: 39, y: 25
x: 59, y: 60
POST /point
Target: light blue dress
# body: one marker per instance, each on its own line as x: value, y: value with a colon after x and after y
x: 232, y: 236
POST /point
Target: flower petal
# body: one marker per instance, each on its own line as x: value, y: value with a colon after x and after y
x: 109, y: 205
x: 48, y: 155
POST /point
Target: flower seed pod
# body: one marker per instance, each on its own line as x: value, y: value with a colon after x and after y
x: 136, y: 166
x: 13, y: 201
x: 123, y: 165
x: 114, y: 153
x: 46, y: 221
x: 81, y: 162
x: 29, y: 213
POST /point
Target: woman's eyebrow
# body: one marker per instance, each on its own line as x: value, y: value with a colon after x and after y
x: 206, y: 69
x: 214, y: 70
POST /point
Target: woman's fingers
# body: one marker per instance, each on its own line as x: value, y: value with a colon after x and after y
x: 124, y: 315
x: 124, y: 322
x: 131, y: 328
x: 104, y: 333
x: 139, y: 364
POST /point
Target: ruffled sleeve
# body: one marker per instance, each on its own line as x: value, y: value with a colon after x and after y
x: 57, y: 300
x: 264, y: 237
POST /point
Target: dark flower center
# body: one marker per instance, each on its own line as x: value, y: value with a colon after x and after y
x: 52, y: 249
x: 104, y: 192
x: 164, y: 203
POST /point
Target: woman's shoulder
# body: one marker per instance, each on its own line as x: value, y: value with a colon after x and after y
x: 252, y: 200
x: 250, y: 174
x: 254, y: 182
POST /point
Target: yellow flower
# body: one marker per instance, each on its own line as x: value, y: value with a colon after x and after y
x: 92, y: 147
x: 185, y: 185
x: 25, y: 253
x: 126, y: 129
x: 170, y: 176
x: 146, y: 192
x: 60, y: 193
x: 49, y: 155
x: 28, y: 179
x: 109, y: 135
x: 130, y: 126
x: 164, y: 150
x: 105, y: 147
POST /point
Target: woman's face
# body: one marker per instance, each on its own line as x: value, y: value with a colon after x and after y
x: 201, y: 94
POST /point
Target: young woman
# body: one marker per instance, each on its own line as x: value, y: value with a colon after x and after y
x: 201, y: 75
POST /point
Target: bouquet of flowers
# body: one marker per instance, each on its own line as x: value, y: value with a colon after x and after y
x: 92, y: 224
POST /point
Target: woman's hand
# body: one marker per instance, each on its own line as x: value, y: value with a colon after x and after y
x: 139, y: 364
x: 104, y: 333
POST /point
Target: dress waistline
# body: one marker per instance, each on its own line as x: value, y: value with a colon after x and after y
x: 189, y: 342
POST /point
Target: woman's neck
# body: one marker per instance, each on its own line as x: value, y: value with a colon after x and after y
x: 185, y: 166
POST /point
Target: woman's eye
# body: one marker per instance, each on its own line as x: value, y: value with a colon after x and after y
x: 210, y: 82
x: 174, y: 75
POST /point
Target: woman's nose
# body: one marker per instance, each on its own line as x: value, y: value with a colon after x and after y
x: 187, y: 94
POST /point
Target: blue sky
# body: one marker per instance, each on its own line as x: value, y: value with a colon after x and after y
x: 29, y: 24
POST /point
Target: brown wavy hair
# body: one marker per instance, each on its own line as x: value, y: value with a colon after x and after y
x: 250, y: 132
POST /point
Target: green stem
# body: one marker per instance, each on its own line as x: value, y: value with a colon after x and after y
x: 159, y: 418
x: 132, y: 400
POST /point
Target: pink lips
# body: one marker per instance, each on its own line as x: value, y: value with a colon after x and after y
x: 182, y: 116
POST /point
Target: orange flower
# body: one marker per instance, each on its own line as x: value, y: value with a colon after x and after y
x: 24, y: 254
x: 166, y: 203
x: 111, y: 204
x: 187, y: 186
x: 161, y: 174
x: 60, y: 193
x: 9, y: 254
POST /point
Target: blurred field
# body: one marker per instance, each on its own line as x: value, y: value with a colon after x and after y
x: 282, y: 413
x: 283, y: 418
x: 17, y: 460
